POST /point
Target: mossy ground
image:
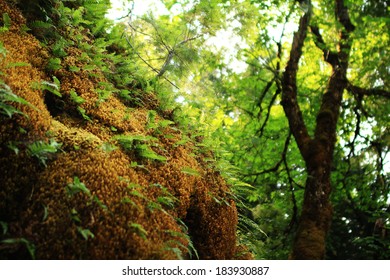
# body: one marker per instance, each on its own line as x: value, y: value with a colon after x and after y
x: 136, y: 206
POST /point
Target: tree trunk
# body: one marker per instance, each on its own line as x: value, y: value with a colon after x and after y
x: 317, y: 151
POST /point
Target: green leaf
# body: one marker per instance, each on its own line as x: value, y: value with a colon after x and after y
x: 165, y: 123
x: 190, y: 171
x: 30, y: 247
x: 4, y: 226
x: 7, y: 22
x: 75, y: 215
x: 7, y: 96
x: 86, y: 233
x: 99, y: 202
x: 42, y: 150
x: 13, y: 146
x: 54, y: 64
x: 52, y: 87
x: 45, y: 212
x: 146, y: 152
x: 76, y: 187
x: 139, y: 229
x: 75, y: 97
x: 83, y: 114
x: 17, y: 64
x: 108, y: 147
x: 167, y: 201
x: 74, y: 68
x: 129, y: 141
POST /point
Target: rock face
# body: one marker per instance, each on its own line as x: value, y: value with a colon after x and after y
x: 84, y: 175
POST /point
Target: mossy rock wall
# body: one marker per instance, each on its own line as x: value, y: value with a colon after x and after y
x: 133, y: 207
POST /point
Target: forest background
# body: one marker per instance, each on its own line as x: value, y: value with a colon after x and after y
x: 294, y: 94
x: 290, y: 96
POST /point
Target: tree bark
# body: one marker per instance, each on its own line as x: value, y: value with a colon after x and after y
x: 317, y: 151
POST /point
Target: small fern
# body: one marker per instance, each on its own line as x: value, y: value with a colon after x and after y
x: 189, y: 171
x: 76, y: 187
x: 53, y: 64
x: 146, y: 152
x: 75, y: 97
x: 129, y: 142
x: 139, y: 230
x: 53, y: 87
x: 7, y: 97
x: 20, y: 241
x: 43, y: 151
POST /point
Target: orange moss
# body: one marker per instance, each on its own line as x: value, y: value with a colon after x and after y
x: 122, y: 210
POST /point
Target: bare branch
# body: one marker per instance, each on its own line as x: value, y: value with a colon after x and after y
x: 261, y: 130
x: 263, y: 94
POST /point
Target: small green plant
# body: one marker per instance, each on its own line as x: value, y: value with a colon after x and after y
x: 42, y: 150
x: 166, y: 198
x: 53, y: 64
x: 145, y: 151
x: 99, y: 202
x: 3, y: 50
x: 174, y: 244
x: 86, y: 233
x: 74, y: 215
x: 4, y: 226
x: 45, y: 212
x: 104, y: 91
x: 157, y: 126
x: 189, y: 171
x: 83, y: 113
x: 182, y: 142
x: 13, y: 146
x: 151, y: 123
x: 128, y: 200
x: 134, y: 190
x: 141, y: 166
x: 137, y: 144
x: 20, y: 241
x: 7, y: 97
x: 76, y: 186
x: 6, y: 22
x: 139, y: 230
x: 108, y: 147
x: 75, y: 97
x: 59, y: 48
x: 129, y: 142
x: 52, y: 87
x: 17, y: 64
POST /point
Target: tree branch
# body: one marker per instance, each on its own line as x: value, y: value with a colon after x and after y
x: 261, y: 130
x: 329, y: 56
x: 367, y: 92
x: 279, y: 163
x: 325, y: 131
x: 294, y: 218
x: 289, y: 88
x: 148, y: 64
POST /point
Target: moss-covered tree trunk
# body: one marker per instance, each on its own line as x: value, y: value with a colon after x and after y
x: 316, y: 150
